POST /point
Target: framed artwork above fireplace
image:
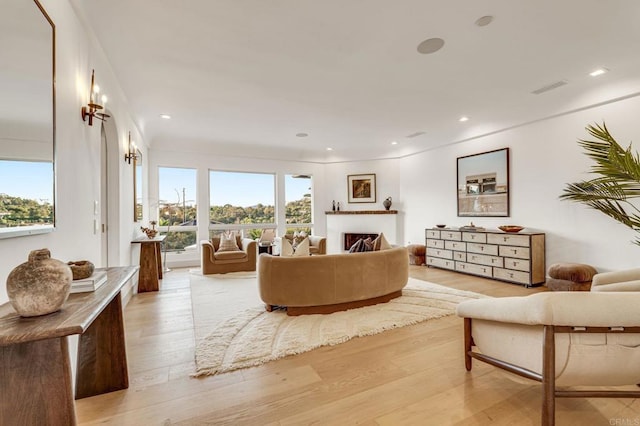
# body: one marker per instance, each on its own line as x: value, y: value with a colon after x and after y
x: 361, y: 188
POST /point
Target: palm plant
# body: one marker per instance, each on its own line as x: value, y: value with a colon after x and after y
x: 618, y: 182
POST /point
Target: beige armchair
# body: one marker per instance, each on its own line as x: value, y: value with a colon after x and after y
x: 560, y: 339
x: 627, y: 280
x: 215, y: 262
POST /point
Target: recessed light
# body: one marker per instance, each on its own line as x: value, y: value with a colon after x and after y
x: 165, y: 116
x: 484, y: 21
x: 463, y: 119
x: 430, y: 45
x: 598, y: 72
x: 302, y: 135
x: 329, y: 149
x: 394, y: 143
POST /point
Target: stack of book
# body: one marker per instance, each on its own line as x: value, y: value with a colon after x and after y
x: 89, y: 284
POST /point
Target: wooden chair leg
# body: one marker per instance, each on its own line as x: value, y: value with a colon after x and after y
x: 548, y: 376
x: 468, y: 343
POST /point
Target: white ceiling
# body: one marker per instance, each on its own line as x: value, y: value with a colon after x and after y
x: 247, y: 75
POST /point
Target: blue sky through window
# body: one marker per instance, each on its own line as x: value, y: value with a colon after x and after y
x: 27, y: 179
x: 241, y: 189
x: 171, y: 181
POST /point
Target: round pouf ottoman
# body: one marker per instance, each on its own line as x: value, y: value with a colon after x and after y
x: 570, y: 277
x: 416, y: 254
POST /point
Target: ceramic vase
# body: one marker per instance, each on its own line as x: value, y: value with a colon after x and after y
x: 39, y: 286
x: 387, y: 203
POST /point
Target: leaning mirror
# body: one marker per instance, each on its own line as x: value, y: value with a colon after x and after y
x: 27, y: 111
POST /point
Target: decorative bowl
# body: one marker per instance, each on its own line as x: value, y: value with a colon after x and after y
x: 511, y: 228
x: 81, y: 269
x: 441, y: 226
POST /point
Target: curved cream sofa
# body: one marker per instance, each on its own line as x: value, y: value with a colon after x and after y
x: 334, y: 282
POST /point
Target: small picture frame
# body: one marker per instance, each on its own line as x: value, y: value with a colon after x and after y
x: 362, y: 188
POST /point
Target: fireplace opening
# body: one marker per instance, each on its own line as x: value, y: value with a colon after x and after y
x: 351, y: 238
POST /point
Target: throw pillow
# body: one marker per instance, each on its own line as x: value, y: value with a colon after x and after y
x: 356, y: 247
x: 381, y: 243
x: 286, y: 250
x: 362, y: 246
x: 228, y: 243
x: 302, y: 249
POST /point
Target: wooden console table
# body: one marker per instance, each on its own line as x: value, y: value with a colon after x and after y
x: 35, y: 368
x: 150, y: 263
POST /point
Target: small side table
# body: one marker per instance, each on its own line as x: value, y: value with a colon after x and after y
x: 150, y: 263
x: 265, y: 248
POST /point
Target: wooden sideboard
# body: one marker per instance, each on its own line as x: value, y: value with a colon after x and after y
x: 35, y: 370
x: 517, y: 258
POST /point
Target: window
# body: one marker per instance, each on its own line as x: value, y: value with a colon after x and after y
x: 177, y: 208
x: 239, y: 201
x: 298, y: 203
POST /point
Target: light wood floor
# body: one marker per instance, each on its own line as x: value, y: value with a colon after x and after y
x: 410, y: 376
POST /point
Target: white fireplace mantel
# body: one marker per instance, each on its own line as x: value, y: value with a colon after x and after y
x: 360, y: 221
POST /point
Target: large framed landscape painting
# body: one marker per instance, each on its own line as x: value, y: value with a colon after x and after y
x: 362, y: 188
x: 483, y: 184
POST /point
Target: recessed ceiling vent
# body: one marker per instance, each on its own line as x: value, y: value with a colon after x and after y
x: 550, y: 87
x: 414, y: 135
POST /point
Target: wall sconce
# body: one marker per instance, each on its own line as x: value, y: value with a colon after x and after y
x: 132, y: 154
x: 91, y: 110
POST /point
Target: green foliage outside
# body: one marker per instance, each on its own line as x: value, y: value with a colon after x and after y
x: 229, y: 214
x: 16, y: 211
x: 176, y: 241
x: 298, y: 211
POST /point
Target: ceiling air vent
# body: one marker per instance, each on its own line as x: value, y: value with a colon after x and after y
x: 414, y: 135
x: 550, y: 87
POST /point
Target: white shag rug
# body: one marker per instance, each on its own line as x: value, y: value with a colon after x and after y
x: 234, y: 331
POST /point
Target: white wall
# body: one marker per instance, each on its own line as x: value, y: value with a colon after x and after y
x: 78, y: 155
x: 544, y: 156
x: 387, y: 183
